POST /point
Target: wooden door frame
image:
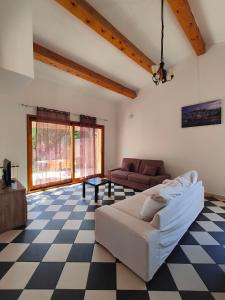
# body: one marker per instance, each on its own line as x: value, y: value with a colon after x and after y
x: 32, y: 188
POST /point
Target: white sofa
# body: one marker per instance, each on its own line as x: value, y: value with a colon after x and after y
x: 144, y: 246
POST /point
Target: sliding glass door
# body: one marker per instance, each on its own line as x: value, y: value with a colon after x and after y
x: 88, y: 151
x: 51, y: 154
x: 59, y: 153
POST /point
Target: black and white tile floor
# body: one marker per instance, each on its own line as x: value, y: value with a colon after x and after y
x: 56, y: 256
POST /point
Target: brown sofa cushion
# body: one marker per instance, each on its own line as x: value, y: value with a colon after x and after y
x: 140, y: 178
x: 134, y: 164
x: 150, y: 170
x: 120, y: 174
x: 156, y: 163
x: 126, y: 166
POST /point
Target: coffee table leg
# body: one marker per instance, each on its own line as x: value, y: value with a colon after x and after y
x: 83, y: 189
x: 96, y: 193
x: 109, y: 189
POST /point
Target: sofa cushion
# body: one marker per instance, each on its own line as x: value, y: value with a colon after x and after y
x: 131, y: 206
x: 126, y: 166
x: 166, y: 181
x: 153, y: 190
x: 120, y: 174
x: 188, y: 178
x: 140, y: 178
x: 176, y: 187
x: 156, y: 163
x: 134, y: 164
x: 150, y: 208
x: 150, y: 170
x: 169, y: 191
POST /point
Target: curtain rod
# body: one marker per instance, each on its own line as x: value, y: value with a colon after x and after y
x: 75, y: 114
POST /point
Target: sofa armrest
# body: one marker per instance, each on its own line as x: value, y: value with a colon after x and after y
x: 129, y: 223
x: 154, y: 180
x: 110, y: 171
x: 134, y: 242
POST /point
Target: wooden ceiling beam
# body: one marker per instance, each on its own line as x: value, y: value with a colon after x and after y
x: 87, y: 14
x: 51, y: 58
x: 183, y: 13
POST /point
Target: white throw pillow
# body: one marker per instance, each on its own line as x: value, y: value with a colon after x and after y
x: 176, y: 187
x: 150, y: 208
x: 167, y: 181
x: 189, y: 178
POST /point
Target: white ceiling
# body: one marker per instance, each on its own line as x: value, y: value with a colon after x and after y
x: 138, y: 20
x: 211, y: 19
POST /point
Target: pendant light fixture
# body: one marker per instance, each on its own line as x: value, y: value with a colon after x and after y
x: 160, y: 74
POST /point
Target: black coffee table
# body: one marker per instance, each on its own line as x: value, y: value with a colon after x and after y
x: 96, y: 182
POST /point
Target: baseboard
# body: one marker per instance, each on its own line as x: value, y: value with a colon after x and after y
x: 219, y: 197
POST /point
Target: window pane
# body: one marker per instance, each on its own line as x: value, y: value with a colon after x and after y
x: 98, y: 151
x: 87, y: 143
x: 77, y: 151
x: 51, y: 153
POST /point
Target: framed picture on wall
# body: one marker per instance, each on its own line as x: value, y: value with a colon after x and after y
x: 206, y: 113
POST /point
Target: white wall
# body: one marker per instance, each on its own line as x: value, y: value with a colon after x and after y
x: 13, y: 141
x: 16, y: 40
x: 155, y: 129
x: 153, y: 132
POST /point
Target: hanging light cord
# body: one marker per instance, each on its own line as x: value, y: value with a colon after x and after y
x: 161, y: 75
x: 162, y: 31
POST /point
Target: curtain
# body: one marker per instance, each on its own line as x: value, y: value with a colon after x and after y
x: 87, y: 146
x: 51, y: 137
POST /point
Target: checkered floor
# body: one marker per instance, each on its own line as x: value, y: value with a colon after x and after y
x: 56, y: 257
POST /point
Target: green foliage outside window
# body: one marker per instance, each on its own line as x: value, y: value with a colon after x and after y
x: 77, y: 134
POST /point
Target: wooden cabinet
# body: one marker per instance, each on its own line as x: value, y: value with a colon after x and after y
x: 13, y: 206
